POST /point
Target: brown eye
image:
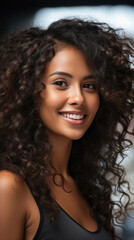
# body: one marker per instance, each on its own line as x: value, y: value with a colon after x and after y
x: 60, y: 83
x: 90, y: 86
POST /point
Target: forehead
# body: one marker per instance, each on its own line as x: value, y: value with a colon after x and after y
x: 68, y: 59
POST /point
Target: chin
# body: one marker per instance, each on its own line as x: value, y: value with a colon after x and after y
x: 76, y: 137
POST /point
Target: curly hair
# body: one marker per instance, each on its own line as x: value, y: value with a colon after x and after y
x: 25, y: 145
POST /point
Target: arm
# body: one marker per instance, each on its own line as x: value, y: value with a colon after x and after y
x: 12, y: 206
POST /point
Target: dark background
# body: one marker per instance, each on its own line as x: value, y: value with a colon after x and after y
x: 28, y: 4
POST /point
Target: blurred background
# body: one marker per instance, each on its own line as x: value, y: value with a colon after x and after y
x: 22, y: 14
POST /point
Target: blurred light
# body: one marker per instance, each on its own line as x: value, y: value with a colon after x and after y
x: 120, y: 16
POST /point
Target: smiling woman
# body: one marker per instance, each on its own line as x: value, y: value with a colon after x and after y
x: 70, y: 98
x: 64, y: 92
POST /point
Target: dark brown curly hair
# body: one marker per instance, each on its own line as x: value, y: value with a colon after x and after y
x: 25, y: 147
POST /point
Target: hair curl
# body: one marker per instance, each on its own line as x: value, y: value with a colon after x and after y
x: 25, y: 146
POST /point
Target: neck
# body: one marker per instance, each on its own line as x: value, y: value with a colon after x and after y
x: 60, y: 155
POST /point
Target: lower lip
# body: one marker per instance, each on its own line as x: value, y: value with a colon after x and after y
x: 73, y: 121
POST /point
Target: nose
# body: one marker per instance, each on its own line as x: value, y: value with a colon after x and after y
x: 76, y: 96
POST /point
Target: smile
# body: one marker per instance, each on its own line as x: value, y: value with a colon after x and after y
x: 73, y: 116
x: 75, y: 119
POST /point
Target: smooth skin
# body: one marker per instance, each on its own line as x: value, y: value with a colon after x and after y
x: 69, y: 86
x: 19, y: 214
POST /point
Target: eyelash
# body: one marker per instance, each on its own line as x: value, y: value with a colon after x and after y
x: 58, y: 83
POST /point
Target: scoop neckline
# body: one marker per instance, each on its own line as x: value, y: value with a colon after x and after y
x: 94, y: 232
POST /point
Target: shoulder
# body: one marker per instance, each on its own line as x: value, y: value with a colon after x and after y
x: 13, y: 212
x: 13, y: 190
x: 18, y: 210
x: 11, y: 182
x: 7, y: 177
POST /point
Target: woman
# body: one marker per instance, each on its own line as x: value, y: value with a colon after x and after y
x: 66, y: 104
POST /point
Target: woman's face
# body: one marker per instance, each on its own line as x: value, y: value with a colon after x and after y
x: 70, y: 99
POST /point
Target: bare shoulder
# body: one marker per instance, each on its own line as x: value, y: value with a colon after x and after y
x: 12, y: 205
x: 13, y: 190
x: 12, y: 184
x: 10, y: 180
x: 18, y: 210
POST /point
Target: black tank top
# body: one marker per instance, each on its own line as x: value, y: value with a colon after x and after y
x: 65, y: 227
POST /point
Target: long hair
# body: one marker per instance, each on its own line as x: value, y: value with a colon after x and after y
x: 25, y: 147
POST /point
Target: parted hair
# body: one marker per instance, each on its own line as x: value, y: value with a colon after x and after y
x: 94, y: 162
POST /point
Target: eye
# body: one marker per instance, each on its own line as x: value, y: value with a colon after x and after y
x: 60, y: 83
x: 91, y: 86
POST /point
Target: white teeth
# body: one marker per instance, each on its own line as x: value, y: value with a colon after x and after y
x: 73, y: 116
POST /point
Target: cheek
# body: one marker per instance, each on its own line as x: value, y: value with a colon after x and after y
x: 51, y: 97
x: 51, y: 102
x: 94, y: 104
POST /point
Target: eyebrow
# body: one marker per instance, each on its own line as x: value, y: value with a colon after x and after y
x: 69, y: 75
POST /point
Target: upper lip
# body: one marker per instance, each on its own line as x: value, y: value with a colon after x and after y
x: 74, y: 112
